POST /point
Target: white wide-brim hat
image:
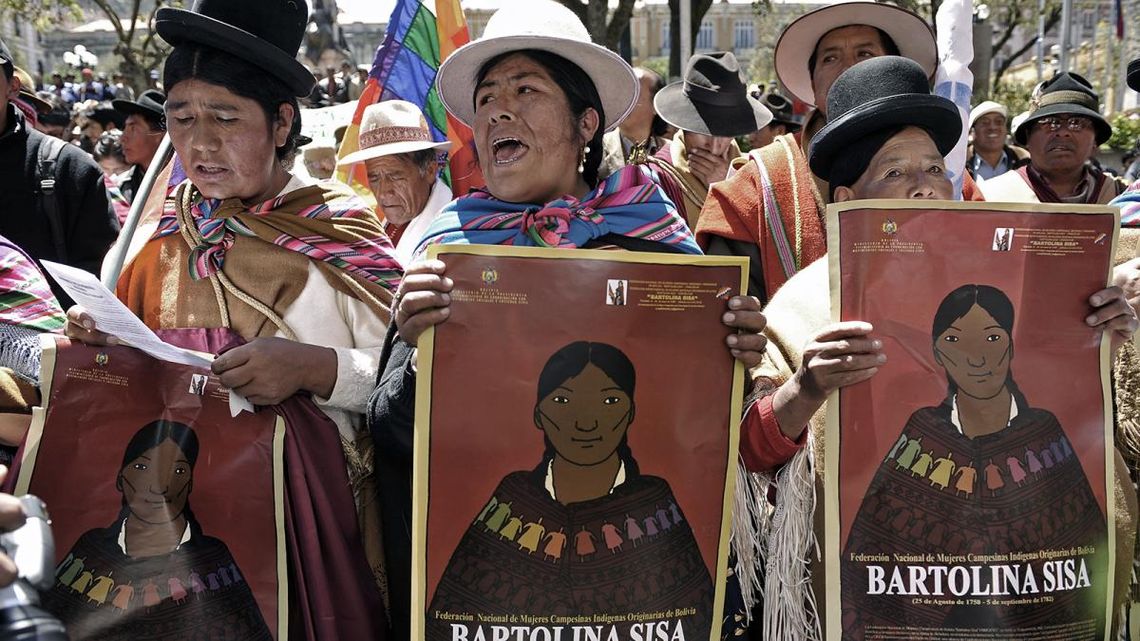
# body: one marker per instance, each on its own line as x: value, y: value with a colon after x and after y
x: 392, y: 127
x: 797, y: 43
x: 985, y: 108
x: 547, y: 26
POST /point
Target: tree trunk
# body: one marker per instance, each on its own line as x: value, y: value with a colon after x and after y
x: 619, y: 22
x: 700, y: 8
x: 596, y: 20
x: 1050, y: 22
x: 594, y: 14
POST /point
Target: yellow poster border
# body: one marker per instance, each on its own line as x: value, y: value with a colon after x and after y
x: 49, y: 347
x: 421, y: 439
x: 831, y: 433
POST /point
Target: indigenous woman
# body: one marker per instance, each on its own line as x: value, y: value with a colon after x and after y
x: 246, y: 252
x: 538, y: 95
x: 108, y: 587
x: 587, y: 481
x: 886, y: 139
x: 985, y: 422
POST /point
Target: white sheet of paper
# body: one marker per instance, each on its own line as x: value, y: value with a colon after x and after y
x: 239, y: 404
x: 112, y: 317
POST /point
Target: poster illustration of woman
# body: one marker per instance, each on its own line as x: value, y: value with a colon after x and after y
x: 167, y: 512
x: 584, y: 532
x: 153, y: 569
x: 1006, y: 474
x: 582, y: 487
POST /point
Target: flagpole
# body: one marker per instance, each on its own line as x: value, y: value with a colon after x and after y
x: 1066, y: 33
x: 686, y: 32
x: 1040, y: 41
x: 1120, y: 32
x: 118, y: 254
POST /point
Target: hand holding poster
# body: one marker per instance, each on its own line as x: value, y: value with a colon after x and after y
x: 969, y: 481
x: 167, y: 512
x: 576, y: 447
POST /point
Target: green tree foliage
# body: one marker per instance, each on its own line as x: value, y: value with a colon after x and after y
x: 139, y: 48
x: 1014, y: 95
x: 1125, y: 131
x: 41, y: 14
x: 1008, y: 16
x: 658, y: 65
x: 770, y: 24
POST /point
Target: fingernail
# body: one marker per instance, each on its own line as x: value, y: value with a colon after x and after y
x: 877, y: 344
x: 733, y: 340
x: 1097, y: 300
x: 88, y: 324
x: 734, y: 303
x: 447, y: 298
x: 113, y: 340
x: 729, y: 317
x: 446, y: 311
x: 1091, y: 320
x: 447, y: 282
x: 881, y: 358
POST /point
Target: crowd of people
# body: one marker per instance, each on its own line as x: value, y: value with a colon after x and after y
x: 714, y: 165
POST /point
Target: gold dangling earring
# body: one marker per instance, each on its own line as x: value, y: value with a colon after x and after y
x: 582, y: 159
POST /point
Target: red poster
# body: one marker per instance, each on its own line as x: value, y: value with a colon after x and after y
x: 166, y: 511
x: 968, y: 480
x: 576, y: 445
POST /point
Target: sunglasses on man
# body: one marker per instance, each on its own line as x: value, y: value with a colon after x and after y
x: 1072, y: 123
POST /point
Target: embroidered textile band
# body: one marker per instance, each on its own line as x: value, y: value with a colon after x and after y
x: 1068, y: 97
x: 388, y: 135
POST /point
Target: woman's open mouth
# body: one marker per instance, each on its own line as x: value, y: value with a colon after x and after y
x: 210, y: 171
x: 508, y: 150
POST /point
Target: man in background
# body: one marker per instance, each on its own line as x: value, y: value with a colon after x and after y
x: 989, y: 155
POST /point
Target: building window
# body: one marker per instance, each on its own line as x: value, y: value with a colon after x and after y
x: 744, y: 35
x: 1088, y: 20
x: 705, y: 36
x: 665, y: 39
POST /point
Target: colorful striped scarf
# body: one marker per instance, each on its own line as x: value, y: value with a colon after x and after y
x: 1129, y: 204
x: 325, y: 222
x: 630, y: 203
x: 25, y: 299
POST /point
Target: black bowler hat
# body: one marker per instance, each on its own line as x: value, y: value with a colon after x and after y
x: 712, y: 99
x: 1066, y: 94
x: 876, y: 95
x: 266, y: 33
x: 106, y: 116
x: 782, y: 113
x: 149, y: 103
x: 1134, y: 74
x: 57, y: 116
